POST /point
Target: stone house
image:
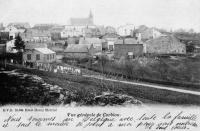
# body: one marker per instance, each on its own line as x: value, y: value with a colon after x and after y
x: 109, y: 40
x: 96, y: 42
x: 35, y: 35
x: 41, y: 55
x: 128, y: 50
x: 79, y: 51
x: 165, y: 45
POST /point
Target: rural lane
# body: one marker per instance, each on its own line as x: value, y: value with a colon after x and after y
x: 146, y: 85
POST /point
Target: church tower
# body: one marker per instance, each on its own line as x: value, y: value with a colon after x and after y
x: 91, y: 17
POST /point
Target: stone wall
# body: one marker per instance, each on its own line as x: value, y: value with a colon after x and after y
x: 123, y: 49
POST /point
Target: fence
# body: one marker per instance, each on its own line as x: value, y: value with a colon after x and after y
x: 53, y: 68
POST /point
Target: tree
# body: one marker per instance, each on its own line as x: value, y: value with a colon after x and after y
x: 19, y: 43
x: 19, y: 46
x: 103, y: 60
x: 66, y: 44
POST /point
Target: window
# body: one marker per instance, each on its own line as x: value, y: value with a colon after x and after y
x: 47, y: 57
x: 37, y: 56
x: 50, y: 57
x: 28, y: 56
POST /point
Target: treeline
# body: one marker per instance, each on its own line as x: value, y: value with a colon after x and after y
x: 183, y: 72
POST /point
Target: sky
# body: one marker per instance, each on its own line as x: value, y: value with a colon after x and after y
x: 167, y: 14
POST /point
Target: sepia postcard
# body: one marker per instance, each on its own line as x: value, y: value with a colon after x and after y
x: 117, y: 65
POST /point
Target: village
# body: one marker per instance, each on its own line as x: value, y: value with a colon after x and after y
x: 82, y: 48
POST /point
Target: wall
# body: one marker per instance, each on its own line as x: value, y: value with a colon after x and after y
x: 125, y: 30
x: 165, y: 46
x: 150, y: 34
x: 123, y: 49
x: 76, y: 55
x: 43, y: 57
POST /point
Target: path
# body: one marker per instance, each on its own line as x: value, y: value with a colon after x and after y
x: 147, y: 85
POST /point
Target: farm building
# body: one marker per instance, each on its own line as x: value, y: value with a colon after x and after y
x: 127, y: 50
x: 165, y: 45
x: 79, y: 51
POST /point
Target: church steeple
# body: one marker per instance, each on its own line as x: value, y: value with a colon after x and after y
x: 90, y: 15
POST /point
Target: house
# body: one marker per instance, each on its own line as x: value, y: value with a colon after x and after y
x: 2, y: 49
x: 55, y: 36
x: 147, y: 33
x: 4, y: 37
x: 128, y: 41
x: 127, y: 50
x: 125, y: 30
x: 127, y: 47
x: 72, y: 40
x: 91, y: 32
x: 197, y: 49
x: 56, y: 32
x: 110, y: 30
x: 24, y: 25
x: 41, y: 55
x: 79, y: 51
x: 165, y: 45
x: 71, y: 31
x: 57, y: 28
x: 44, y: 27
x: 35, y: 35
x: 96, y: 42
x: 110, y: 39
x: 10, y: 46
x: 14, y: 30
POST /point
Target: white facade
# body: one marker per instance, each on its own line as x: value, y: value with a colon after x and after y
x: 71, y: 31
x: 10, y: 46
x: 150, y: 33
x: 13, y: 31
x: 125, y: 30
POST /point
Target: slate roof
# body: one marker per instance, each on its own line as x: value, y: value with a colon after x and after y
x: 30, y: 46
x: 127, y: 41
x: 165, y: 39
x: 20, y: 25
x: 45, y: 50
x: 90, y: 41
x: 44, y: 26
x: 76, y: 48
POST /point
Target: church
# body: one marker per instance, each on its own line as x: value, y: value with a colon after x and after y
x: 77, y: 26
x: 82, y: 21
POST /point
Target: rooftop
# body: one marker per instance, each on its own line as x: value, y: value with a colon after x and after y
x: 45, y: 50
x: 77, y: 48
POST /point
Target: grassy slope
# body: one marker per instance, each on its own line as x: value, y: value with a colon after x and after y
x: 86, y: 87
